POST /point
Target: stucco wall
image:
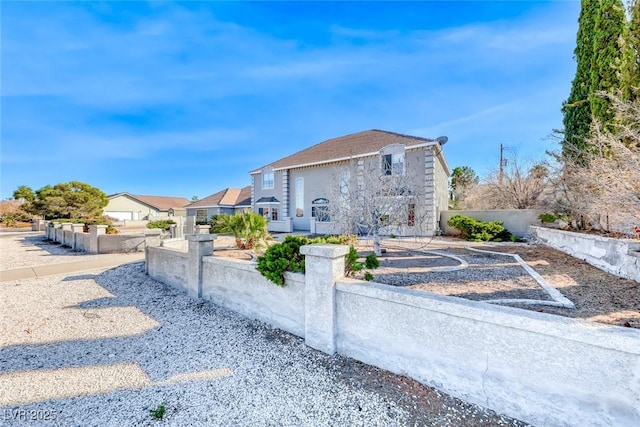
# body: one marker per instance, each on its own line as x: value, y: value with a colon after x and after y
x: 238, y: 286
x: 544, y: 369
x: 284, y: 226
x: 517, y: 221
x: 540, y: 368
x: 59, y: 235
x: 81, y: 242
x: 617, y: 256
x: 119, y: 243
x: 67, y: 238
x: 167, y: 266
x: 179, y: 244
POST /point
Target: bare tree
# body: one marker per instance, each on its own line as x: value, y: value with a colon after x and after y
x: 373, y: 199
x: 515, y: 186
x: 600, y: 187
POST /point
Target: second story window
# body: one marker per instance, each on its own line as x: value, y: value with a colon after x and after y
x: 393, y: 164
x: 267, y: 179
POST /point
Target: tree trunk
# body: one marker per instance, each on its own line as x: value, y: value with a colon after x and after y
x: 376, y: 242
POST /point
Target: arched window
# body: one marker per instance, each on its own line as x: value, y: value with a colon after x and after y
x: 320, y: 209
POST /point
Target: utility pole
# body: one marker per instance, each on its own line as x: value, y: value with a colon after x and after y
x: 503, y: 163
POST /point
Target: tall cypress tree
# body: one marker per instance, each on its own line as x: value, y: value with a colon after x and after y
x: 577, y: 108
x: 633, y: 49
x: 607, y: 59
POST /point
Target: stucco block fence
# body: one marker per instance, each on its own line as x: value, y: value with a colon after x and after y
x: 540, y: 368
x: 616, y: 256
x: 97, y: 241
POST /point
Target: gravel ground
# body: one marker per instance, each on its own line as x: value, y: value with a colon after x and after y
x: 598, y: 296
x: 107, y: 347
x: 487, y: 277
x: 19, y: 251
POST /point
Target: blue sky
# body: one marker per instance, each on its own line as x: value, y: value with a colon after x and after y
x: 185, y: 98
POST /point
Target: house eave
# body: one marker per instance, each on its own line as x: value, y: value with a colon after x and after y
x: 342, y: 159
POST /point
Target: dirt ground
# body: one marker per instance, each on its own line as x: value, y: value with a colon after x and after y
x: 597, y: 295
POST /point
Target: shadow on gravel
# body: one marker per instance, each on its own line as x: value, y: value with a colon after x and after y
x: 53, y: 248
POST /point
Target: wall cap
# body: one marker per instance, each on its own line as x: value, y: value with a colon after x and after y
x: 325, y: 250
x: 200, y: 237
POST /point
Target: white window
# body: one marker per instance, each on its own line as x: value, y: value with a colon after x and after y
x: 270, y: 213
x: 267, y: 179
x: 320, y: 210
x: 299, y: 197
x: 201, y: 216
x: 393, y: 164
x: 344, y: 183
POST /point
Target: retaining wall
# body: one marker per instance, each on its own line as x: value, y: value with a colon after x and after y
x: 283, y: 226
x: 81, y: 242
x: 543, y: 369
x: 167, y: 266
x: 517, y: 221
x: 96, y: 241
x: 119, y: 243
x: 237, y: 285
x: 616, y: 256
x: 537, y: 367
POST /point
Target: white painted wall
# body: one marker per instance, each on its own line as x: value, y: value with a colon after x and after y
x: 167, y: 266
x: 616, y: 256
x: 540, y: 368
x: 544, y: 369
x: 237, y: 285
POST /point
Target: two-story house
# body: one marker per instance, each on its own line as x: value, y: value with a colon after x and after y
x: 297, y: 193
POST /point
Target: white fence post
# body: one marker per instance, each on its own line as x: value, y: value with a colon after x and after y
x: 95, y: 231
x: 76, y: 229
x: 324, y: 264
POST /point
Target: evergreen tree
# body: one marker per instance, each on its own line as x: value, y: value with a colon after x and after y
x: 633, y: 50
x: 607, y: 59
x: 577, y: 109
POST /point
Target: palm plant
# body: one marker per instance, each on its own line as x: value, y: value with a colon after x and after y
x: 248, y: 228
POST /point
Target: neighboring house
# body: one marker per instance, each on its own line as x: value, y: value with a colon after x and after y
x: 135, y: 207
x: 295, y: 192
x: 228, y: 201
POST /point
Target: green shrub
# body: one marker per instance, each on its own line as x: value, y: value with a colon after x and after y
x: 371, y: 262
x: 282, y: 257
x: 286, y: 256
x: 351, y: 264
x: 479, y: 231
x: 158, y: 413
x: 547, y: 217
x: 368, y: 276
x: 161, y: 223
